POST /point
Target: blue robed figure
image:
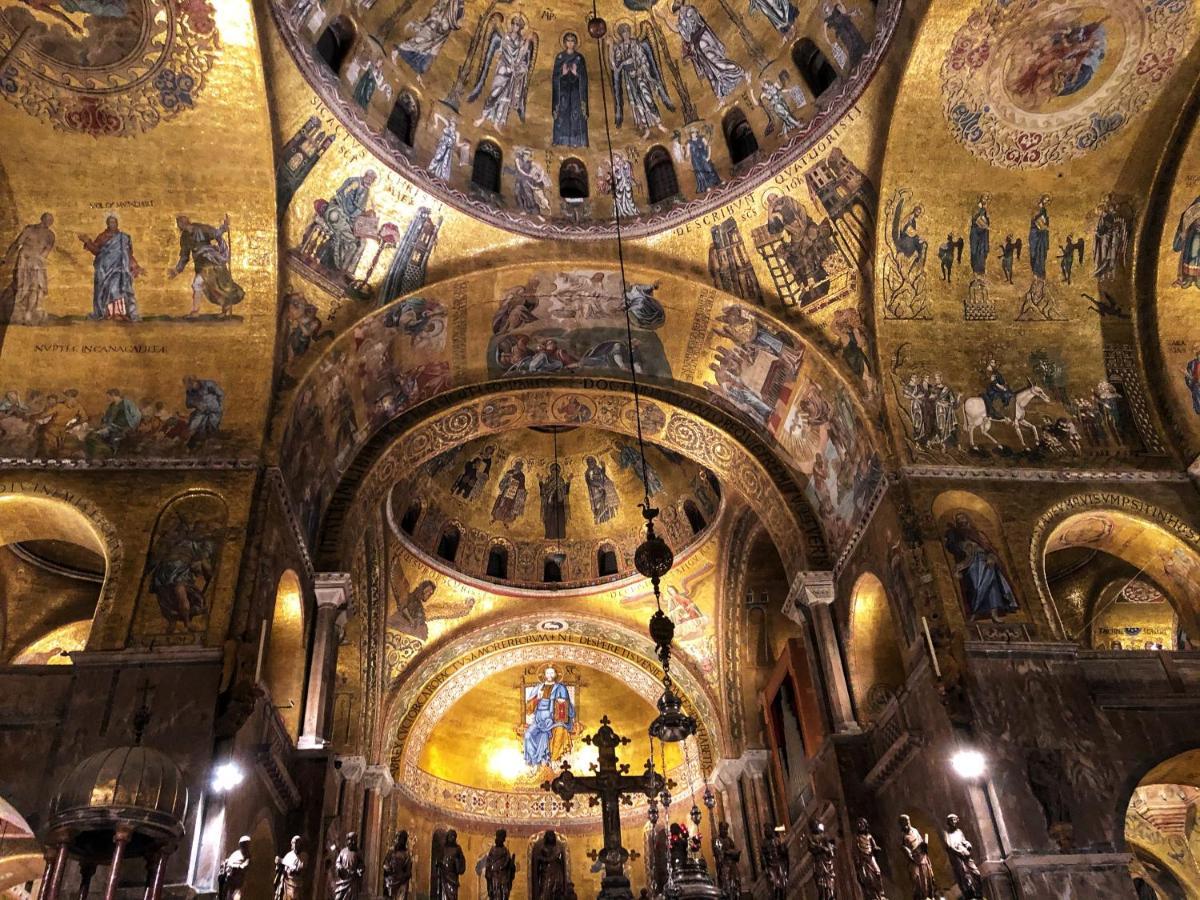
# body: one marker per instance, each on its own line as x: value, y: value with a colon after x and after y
x: 985, y: 586
x: 548, y: 735
x: 114, y: 270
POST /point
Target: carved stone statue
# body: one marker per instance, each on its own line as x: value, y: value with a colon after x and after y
x: 450, y: 864
x: 348, y: 870
x: 398, y: 869
x: 498, y: 867
x: 823, y: 848
x: 775, y: 863
x: 959, y: 849
x: 289, y: 871
x: 550, y: 880
x: 866, y: 865
x: 920, y: 869
x: 231, y: 879
x: 727, y: 856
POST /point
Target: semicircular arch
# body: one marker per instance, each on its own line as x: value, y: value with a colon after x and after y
x: 558, y: 324
x: 1163, y: 547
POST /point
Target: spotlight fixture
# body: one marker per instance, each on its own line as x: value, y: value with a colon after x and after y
x: 226, y: 777
x: 969, y: 764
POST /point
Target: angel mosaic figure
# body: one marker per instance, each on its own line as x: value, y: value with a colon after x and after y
x: 780, y: 13
x: 637, y: 79
x: 429, y: 35
x: 1066, y: 256
x: 705, y: 50
x: 778, y: 97
x: 514, y: 53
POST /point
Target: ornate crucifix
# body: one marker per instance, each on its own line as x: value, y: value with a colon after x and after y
x: 610, y: 785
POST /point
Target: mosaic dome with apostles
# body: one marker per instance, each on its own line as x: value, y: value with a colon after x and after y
x: 599, y: 449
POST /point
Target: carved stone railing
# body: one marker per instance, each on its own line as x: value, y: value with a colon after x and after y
x: 1142, y: 678
x: 273, y: 759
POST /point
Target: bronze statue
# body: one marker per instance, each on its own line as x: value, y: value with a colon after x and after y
x: 727, y: 856
x: 289, y: 871
x: 866, y: 865
x: 920, y: 869
x: 450, y: 864
x: 966, y: 873
x: 348, y: 870
x: 823, y: 848
x: 398, y: 869
x: 550, y: 880
x: 498, y: 867
x: 231, y: 880
x: 775, y: 862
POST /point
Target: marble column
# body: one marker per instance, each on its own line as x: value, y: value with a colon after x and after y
x: 120, y: 842
x: 57, y: 856
x: 333, y: 594
x: 815, y: 591
x: 377, y: 781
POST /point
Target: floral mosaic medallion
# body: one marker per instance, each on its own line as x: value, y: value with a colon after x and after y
x: 106, y: 67
x: 1030, y: 83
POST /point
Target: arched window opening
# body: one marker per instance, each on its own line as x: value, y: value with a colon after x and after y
x: 402, y: 121
x: 694, y: 516
x: 606, y: 561
x: 552, y: 569
x: 485, y: 170
x: 739, y: 136
x: 333, y: 46
x: 412, y: 515
x: 447, y: 547
x: 497, y: 561
x: 284, y: 663
x: 813, y: 67
x: 572, y: 180
x: 661, y: 183
x: 1164, y: 800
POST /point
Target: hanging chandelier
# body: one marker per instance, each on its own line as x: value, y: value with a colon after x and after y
x: 653, y: 558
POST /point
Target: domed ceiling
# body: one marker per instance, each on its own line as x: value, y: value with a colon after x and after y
x: 727, y: 92
x: 501, y: 495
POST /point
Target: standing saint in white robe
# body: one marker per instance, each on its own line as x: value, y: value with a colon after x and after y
x: 430, y: 34
x: 706, y: 51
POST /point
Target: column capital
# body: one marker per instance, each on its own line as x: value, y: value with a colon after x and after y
x: 350, y: 768
x: 333, y: 589
x: 378, y: 779
x: 811, y: 588
x: 727, y: 771
x: 756, y: 762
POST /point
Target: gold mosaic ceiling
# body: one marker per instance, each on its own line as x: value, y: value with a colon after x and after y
x: 501, y: 492
x: 678, y: 78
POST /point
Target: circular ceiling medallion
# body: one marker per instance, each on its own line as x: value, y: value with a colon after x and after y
x: 106, y: 67
x: 1028, y: 83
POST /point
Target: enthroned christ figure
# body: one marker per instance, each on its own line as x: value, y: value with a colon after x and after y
x: 550, y: 720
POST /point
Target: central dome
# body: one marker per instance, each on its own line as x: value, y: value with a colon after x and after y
x: 497, y: 509
x: 497, y: 107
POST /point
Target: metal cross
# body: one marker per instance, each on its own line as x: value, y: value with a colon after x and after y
x: 608, y: 787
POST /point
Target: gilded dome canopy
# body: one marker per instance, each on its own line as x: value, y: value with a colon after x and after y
x: 137, y: 787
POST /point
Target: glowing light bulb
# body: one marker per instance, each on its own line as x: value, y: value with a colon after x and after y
x: 226, y: 777
x: 969, y: 764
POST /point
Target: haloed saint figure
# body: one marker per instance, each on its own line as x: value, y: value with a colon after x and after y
x: 549, y: 720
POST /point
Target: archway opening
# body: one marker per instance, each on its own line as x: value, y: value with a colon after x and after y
x: 486, y: 166
x: 53, y: 565
x: 1160, y: 824
x: 284, y: 664
x: 402, y: 120
x: 1115, y: 577
x: 876, y: 662
x: 739, y: 136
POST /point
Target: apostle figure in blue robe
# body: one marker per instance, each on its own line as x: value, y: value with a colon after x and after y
x: 985, y: 586
x: 114, y: 269
x: 570, y: 95
x: 548, y: 733
x: 1039, y: 237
